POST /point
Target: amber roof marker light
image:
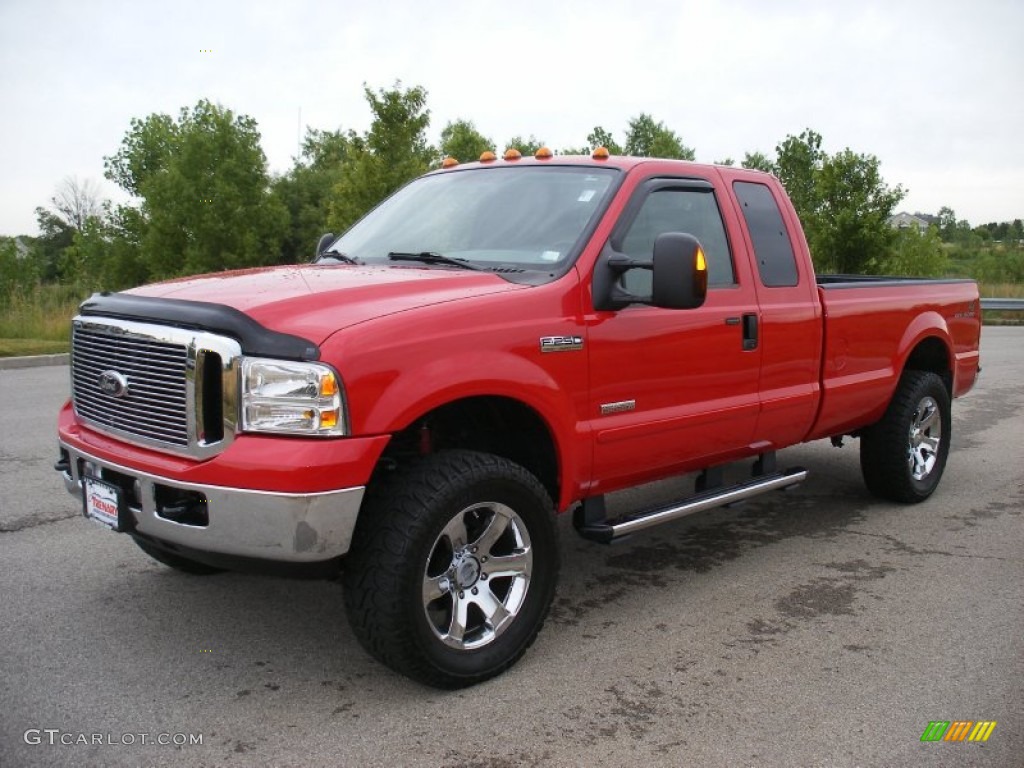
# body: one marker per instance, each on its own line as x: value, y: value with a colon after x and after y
x: 449, y: 162
x: 544, y: 153
x: 512, y: 154
x: 488, y: 157
x: 601, y: 153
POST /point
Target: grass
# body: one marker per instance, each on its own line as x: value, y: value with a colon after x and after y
x: 22, y: 347
x: 1002, y: 290
x: 37, y: 321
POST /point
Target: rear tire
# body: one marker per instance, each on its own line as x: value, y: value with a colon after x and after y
x: 177, y: 562
x: 902, y: 457
x: 452, y: 568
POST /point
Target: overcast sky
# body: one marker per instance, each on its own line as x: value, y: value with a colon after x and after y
x: 934, y: 89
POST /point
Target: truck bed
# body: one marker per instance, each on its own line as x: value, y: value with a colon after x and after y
x: 867, y: 319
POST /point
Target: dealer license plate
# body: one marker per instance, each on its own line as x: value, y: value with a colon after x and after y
x: 102, y: 502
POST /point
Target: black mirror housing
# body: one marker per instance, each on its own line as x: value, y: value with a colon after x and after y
x: 680, y: 272
x: 322, y: 243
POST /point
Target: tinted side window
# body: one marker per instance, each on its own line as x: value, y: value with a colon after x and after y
x: 772, y: 247
x: 678, y: 210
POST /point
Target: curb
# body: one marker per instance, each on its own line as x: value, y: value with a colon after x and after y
x: 33, y: 361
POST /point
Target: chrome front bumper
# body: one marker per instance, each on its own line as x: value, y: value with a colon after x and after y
x: 288, y: 527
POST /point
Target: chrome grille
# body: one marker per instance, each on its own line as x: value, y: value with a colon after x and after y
x: 154, y: 405
x: 171, y: 389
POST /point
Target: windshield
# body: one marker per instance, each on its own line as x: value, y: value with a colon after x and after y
x: 528, y: 217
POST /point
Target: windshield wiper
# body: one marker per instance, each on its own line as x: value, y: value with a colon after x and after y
x: 433, y: 257
x: 337, y: 257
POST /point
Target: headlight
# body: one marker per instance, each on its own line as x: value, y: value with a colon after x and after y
x: 292, y: 398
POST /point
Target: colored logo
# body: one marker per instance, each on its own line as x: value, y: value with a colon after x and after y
x: 958, y: 730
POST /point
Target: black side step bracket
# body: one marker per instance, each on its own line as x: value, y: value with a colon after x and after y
x: 591, y: 523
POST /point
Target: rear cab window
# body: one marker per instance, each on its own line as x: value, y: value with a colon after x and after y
x: 773, y: 249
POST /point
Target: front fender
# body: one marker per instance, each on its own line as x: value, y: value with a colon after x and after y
x: 419, y: 389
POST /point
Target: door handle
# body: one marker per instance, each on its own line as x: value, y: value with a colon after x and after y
x: 750, y: 331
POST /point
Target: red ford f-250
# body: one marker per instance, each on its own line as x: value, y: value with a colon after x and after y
x: 497, y: 343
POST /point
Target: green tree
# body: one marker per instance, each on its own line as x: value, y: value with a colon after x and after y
x: 798, y: 164
x: 391, y: 153
x: 105, y: 253
x: 526, y: 146
x: 649, y: 138
x: 915, y: 254
x: 843, y: 202
x: 72, y: 205
x: 585, y: 151
x: 852, y: 232
x: 758, y: 161
x: 17, y: 272
x: 599, y: 137
x: 328, y: 150
x: 460, y: 139
x: 203, y: 184
x: 998, y: 230
x: 56, y: 235
x: 957, y: 231
x: 947, y: 224
x: 146, y: 150
x: 306, y: 190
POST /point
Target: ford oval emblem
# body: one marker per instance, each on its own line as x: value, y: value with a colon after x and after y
x: 113, y: 383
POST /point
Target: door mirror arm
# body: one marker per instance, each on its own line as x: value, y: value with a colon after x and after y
x: 680, y: 279
x: 609, y: 295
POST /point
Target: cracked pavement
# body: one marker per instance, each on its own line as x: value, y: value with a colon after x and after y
x: 818, y: 627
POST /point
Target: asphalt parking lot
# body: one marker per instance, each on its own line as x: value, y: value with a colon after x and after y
x: 819, y: 627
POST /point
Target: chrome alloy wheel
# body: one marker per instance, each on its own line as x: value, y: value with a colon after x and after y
x: 477, y: 575
x: 925, y: 437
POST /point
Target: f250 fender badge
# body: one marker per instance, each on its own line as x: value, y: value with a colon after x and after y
x: 561, y: 343
x: 113, y: 383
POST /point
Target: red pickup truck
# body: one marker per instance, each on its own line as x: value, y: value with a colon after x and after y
x: 496, y: 343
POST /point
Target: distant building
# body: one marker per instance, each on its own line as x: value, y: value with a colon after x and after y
x: 905, y: 220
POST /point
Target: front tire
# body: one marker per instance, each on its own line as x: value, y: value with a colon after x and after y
x: 452, y: 568
x: 902, y: 457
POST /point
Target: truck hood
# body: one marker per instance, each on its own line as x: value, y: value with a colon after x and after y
x: 315, y: 301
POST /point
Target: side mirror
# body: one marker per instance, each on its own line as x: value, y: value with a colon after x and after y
x: 325, y: 240
x: 680, y: 272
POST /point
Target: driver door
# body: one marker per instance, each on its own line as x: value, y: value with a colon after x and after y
x: 674, y: 390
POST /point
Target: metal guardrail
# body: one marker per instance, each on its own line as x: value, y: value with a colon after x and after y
x: 1013, y: 305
